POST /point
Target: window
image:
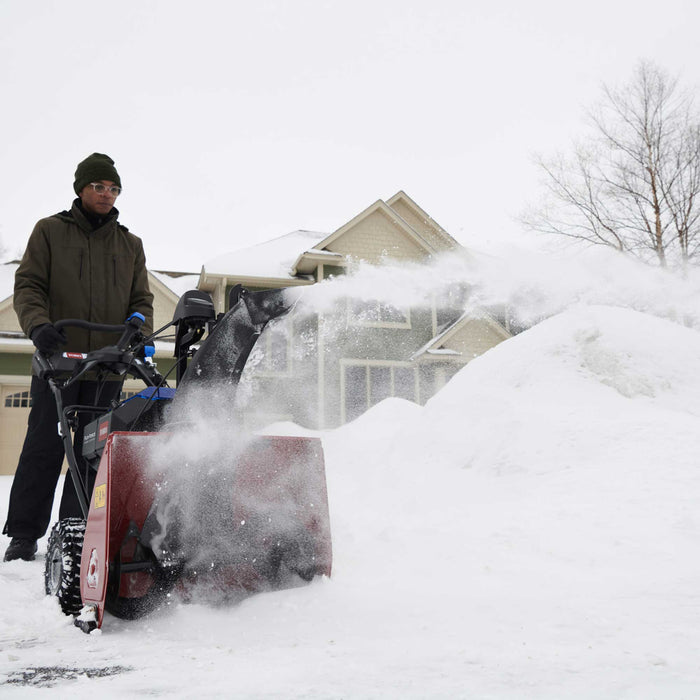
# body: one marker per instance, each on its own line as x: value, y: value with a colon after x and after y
x: 22, y: 399
x: 275, y: 345
x: 365, y: 384
x: 404, y: 385
x: 377, y: 313
x: 355, y: 399
x: 333, y: 271
x: 379, y: 384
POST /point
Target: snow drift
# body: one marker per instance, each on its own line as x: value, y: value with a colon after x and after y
x: 532, y: 532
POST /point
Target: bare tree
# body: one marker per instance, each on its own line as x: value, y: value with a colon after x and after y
x: 635, y: 185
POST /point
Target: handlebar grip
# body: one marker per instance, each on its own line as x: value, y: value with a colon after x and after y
x: 136, y: 316
x: 131, y: 327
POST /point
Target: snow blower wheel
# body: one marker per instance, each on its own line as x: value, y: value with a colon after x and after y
x: 62, y: 569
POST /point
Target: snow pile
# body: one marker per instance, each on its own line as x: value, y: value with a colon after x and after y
x: 541, y: 511
x: 530, y: 533
x: 581, y: 381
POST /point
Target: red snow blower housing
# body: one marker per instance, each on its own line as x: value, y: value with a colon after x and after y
x: 248, y: 515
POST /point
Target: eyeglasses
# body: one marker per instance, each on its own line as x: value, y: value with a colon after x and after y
x: 109, y: 189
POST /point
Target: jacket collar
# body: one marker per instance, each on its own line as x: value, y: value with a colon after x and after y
x: 89, y: 222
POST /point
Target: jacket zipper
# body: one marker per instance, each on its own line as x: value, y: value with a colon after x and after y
x: 80, y: 271
x: 114, y: 267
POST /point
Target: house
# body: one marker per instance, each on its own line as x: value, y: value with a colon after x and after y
x: 323, y: 369
x: 16, y: 352
x: 318, y: 367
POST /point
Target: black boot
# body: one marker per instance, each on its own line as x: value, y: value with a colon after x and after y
x: 20, y: 548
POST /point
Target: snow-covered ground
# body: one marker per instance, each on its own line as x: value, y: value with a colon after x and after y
x: 532, y: 532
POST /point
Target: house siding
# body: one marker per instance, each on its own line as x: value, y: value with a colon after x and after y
x: 8, y: 317
x: 16, y: 364
x: 474, y: 339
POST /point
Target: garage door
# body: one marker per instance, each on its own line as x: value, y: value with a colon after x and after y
x: 14, y: 411
x: 15, y: 403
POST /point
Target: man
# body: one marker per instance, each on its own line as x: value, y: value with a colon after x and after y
x: 78, y: 264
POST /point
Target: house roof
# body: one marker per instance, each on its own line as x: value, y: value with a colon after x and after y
x: 271, y: 259
x: 299, y: 253
x: 178, y: 283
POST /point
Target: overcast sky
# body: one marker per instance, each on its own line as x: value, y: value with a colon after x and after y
x: 235, y: 122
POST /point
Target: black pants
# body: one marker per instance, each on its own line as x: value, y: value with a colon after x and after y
x: 34, y: 484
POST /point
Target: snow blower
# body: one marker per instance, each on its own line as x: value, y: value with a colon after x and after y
x: 253, y: 517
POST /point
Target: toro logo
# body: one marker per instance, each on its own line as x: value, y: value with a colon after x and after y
x: 75, y: 355
x: 104, y: 430
x: 100, y: 496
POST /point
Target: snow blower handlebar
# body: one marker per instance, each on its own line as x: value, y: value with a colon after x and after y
x: 219, y: 359
x: 128, y: 329
x: 63, y: 369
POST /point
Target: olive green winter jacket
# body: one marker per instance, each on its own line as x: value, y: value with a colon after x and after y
x: 70, y: 270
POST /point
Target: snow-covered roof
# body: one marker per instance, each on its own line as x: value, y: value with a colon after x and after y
x: 442, y: 351
x: 433, y: 345
x: 177, y: 284
x: 271, y: 259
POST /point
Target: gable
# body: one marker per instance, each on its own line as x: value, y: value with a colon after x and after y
x: 419, y: 220
x: 375, y: 238
x: 473, y: 337
x: 375, y: 234
x: 470, y: 336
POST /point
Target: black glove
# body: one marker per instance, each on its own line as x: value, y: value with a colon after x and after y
x: 48, y: 338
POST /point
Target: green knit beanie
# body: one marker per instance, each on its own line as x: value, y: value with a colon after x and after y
x: 94, y: 168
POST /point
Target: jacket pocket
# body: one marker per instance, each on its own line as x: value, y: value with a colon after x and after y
x: 120, y: 269
x: 70, y: 262
x: 118, y: 278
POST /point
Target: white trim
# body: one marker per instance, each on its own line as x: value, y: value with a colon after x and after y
x: 318, y: 257
x: 320, y: 355
x: 16, y: 379
x: 20, y: 346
